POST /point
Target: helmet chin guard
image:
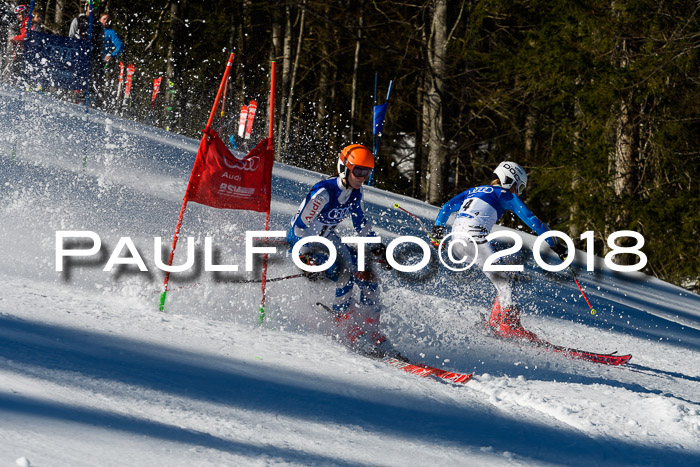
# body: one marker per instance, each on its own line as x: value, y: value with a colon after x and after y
x: 510, y: 174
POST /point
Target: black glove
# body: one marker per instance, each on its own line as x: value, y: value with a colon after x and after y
x: 379, y: 251
x: 438, y: 233
x: 560, y: 250
x: 312, y: 276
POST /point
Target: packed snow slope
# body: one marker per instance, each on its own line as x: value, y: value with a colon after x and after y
x: 91, y: 373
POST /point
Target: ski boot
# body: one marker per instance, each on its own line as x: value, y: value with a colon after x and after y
x: 364, y: 338
x: 496, y: 315
x: 376, y: 345
x: 510, y: 326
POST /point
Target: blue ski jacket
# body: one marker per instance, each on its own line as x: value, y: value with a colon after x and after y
x: 327, y: 204
x: 484, y: 205
x: 113, y: 46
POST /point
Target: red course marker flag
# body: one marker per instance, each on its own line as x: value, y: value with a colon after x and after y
x: 221, y: 180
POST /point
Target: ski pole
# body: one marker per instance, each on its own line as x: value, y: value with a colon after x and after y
x: 593, y: 310
x: 258, y: 281
x: 247, y: 281
x: 422, y: 226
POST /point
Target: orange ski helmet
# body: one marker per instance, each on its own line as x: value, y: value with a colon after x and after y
x: 357, y: 159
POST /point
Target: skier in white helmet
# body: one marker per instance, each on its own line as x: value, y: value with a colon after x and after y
x: 479, y: 209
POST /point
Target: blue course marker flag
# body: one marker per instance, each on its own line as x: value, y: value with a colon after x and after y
x: 378, y: 127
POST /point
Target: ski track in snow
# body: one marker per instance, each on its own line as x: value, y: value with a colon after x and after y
x: 92, y: 374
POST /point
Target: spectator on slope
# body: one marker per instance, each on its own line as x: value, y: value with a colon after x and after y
x: 80, y: 26
x: 37, y: 21
x: 13, y: 59
x: 328, y: 203
x: 80, y: 29
x: 112, y: 44
x: 479, y: 209
x: 22, y: 14
x: 112, y: 49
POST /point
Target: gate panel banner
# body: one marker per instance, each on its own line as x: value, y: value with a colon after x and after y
x: 57, y: 61
x: 221, y: 180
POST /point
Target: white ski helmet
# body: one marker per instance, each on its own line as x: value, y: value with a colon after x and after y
x: 509, y: 174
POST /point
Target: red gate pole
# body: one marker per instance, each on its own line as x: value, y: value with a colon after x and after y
x: 271, y: 125
x: 202, y: 150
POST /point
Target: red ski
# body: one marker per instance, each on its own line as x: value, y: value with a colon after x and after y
x: 605, y: 358
x: 595, y: 357
x: 425, y: 371
x: 418, y: 369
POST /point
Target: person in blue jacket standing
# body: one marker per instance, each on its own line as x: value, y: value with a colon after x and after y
x: 112, y: 44
x: 112, y: 48
x: 328, y: 203
x: 478, y: 210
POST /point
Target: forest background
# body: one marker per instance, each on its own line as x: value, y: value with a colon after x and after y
x: 598, y: 100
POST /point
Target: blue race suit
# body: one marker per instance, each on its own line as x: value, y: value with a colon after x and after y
x: 479, y: 210
x: 328, y: 203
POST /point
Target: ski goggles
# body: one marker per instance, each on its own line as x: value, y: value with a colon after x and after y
x: 521, y: 188
x: 361, y: 172
x: 509, y: 182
